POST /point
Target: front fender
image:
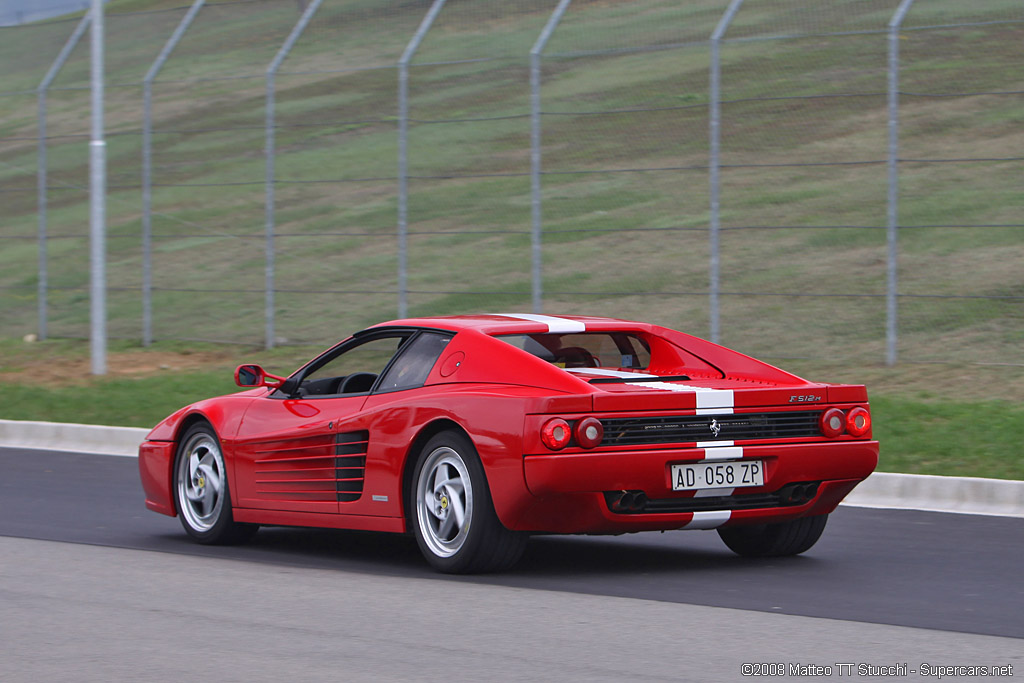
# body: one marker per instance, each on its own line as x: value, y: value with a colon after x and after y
x: 156, y: 453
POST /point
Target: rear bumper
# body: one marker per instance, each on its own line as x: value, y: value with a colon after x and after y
x: 156, y: 460
x: 569, y: 488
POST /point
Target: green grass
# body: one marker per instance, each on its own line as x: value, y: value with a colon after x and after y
x: 138, y: 402
x: 966, y: 438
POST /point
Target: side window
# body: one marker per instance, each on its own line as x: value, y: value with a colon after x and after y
x: 354, y: 370
x: 411, y: 368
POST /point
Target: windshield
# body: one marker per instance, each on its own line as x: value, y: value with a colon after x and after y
x: 620, y: 350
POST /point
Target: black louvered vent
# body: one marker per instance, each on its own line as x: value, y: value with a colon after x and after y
x: 629, y: 431
x: 350, y: 464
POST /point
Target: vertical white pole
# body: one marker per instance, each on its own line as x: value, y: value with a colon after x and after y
x: 403, y: 154
x: 147, y: 168
x: 892, y: 212
x: 41, y: 174
x: 41, y: 211
x: 97, y: 203
x: 536, y: 233
x: 714, y: 165
x: 269, y: 147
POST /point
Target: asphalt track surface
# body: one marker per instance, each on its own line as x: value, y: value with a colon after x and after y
x: 927, y: 570
x: 935, y: 571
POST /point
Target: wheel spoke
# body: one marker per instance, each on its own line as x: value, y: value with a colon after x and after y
x: 440, y: 477
x: 446, y: 527
x: 457, y: 506
x: 212, y: 478
x: 193, y: 465
x: 432, y: 509
x: 209, y: 500
x: 454, y: 487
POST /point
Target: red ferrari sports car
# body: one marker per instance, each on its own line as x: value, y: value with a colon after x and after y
x: 471, y: 432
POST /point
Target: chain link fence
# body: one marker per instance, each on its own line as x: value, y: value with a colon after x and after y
x: 829, y: 180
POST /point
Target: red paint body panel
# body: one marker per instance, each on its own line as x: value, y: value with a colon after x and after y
x: 327, y: 521
x: 283, y: 453
x: 285, y: 456
x: 649, y: 470
x: 156, y: 459
x: 587, y: 513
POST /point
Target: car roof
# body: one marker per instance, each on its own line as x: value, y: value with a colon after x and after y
x: 521, y: 323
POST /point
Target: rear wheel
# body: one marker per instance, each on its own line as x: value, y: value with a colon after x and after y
x: 454, y: 521
x: 774, y: 540
x: 201, y: 490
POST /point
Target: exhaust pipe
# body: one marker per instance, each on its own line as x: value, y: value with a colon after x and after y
x: 798, y: 494
x: 626, y: 501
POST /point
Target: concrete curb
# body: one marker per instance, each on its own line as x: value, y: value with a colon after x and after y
x: 60, y: 436
x: 967, y: 495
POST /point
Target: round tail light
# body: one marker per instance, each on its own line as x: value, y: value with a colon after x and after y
x: 589, y: 432
x: 858, y: 421
x: 832, y: 422
x: 556, y: 434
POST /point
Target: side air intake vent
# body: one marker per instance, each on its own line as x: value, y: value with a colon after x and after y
x: 350, y: 464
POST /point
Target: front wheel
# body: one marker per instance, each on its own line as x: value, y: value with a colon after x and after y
x: 774, y: 540
x: 201, y: 490
x: 454, y: 521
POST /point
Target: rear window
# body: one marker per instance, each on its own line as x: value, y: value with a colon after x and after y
x: 585, y: 349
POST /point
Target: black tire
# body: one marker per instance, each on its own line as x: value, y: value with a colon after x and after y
x: 774, y: 540
x: 201, y: 491
x: 448, y: 483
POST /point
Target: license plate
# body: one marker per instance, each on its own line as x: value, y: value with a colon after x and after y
x: 717, y: 475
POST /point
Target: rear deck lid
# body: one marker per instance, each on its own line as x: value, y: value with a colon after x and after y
x: 623, y: 390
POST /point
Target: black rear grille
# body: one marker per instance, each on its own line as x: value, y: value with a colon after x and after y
x: 630, y: 431
x: 788, y: 496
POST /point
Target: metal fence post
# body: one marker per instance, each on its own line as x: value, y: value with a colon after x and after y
x: 41, y: 168
x: 97, y: 202
x: 536, y: 53
x: 715, y: 134
x: 289, y: 43
x: 147, y: 168
x: 892, y: 211
x: 403, y: 156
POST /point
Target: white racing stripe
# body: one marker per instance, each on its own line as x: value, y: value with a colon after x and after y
x: 709, y: 401
x: 723, y: 453
x: 603, y: 372
x: 715, y: 444
x: 554, y: 324
x: 714, y: 401
x: 711, y: 519
x: 708, y: 493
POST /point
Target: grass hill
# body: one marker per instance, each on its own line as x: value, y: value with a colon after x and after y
x: 625, y: 154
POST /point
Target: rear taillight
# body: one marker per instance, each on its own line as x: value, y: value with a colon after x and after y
x: 833, y: 421
x: 858, y: 422
x: 589, y: 432
x: 556, y: 434
x: 836, y: 422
